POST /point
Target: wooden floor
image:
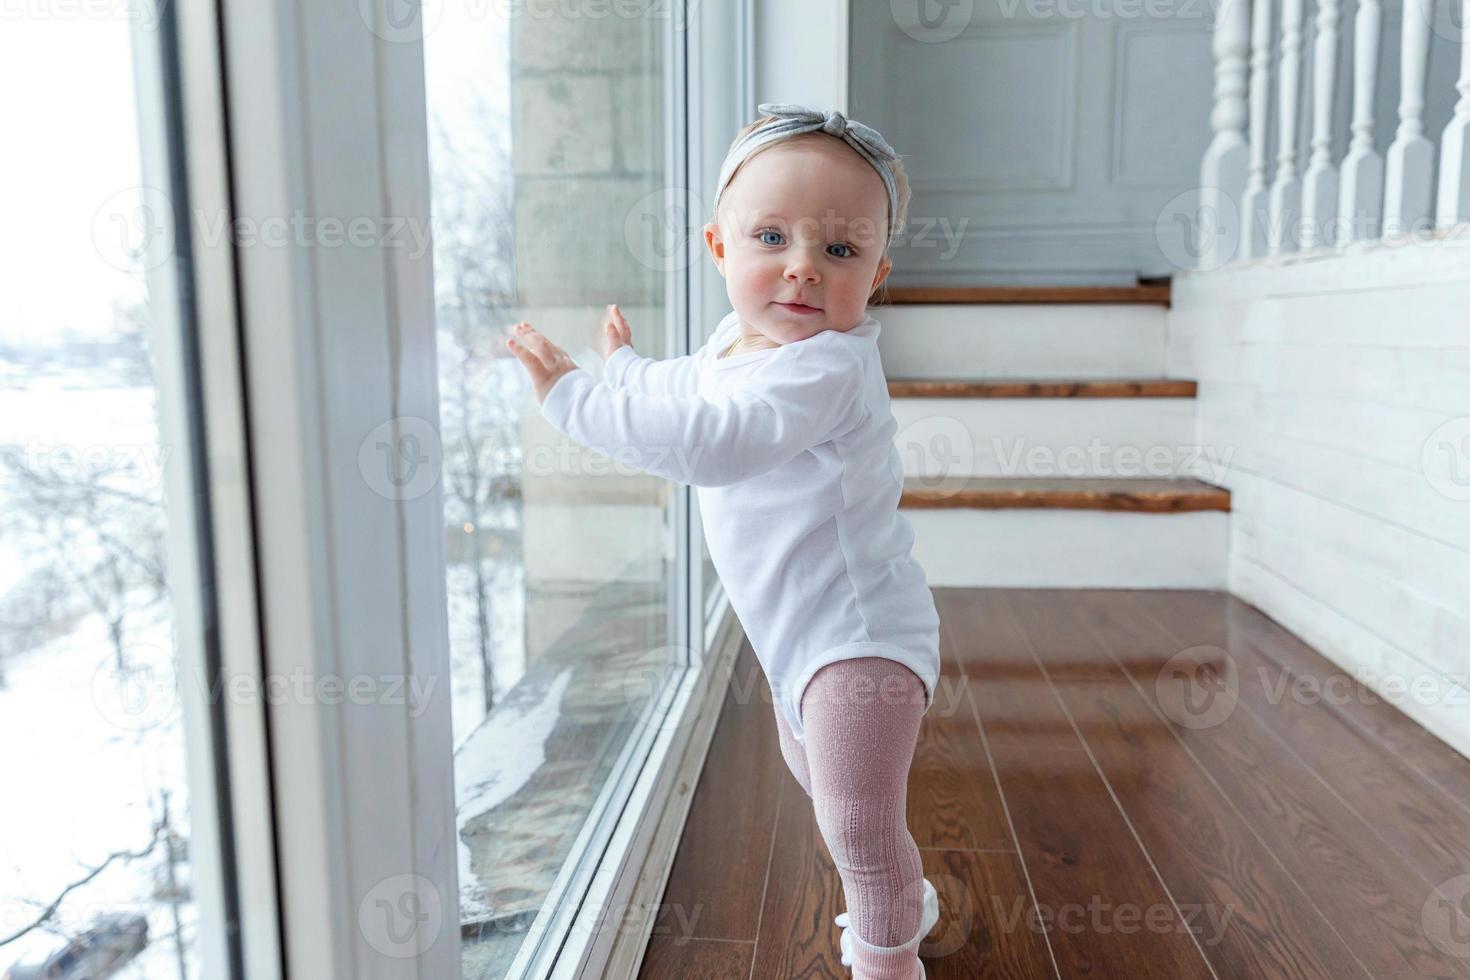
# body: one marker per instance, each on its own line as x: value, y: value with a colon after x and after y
x: 1110, y: 783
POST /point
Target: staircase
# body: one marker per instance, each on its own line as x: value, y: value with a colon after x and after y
x: 1042, y: 444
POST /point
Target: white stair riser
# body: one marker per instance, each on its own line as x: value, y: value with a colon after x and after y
x: 1071, y: 548
x: 1022, y: 341
x: 1050, y: 437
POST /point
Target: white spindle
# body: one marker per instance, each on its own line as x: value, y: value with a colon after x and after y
x: 1454, y: 159
x: 1252, y: 206
x: 1319, y: 186
x: 1222, y: 172
x: 1286, y: 189
x: 1361, y: 192
x: 1411, y: 156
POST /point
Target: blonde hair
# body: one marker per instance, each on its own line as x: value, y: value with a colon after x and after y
x: 900, y: 176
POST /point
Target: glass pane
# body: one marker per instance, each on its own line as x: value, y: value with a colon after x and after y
x: 101, y: 865
x: 546, y: 139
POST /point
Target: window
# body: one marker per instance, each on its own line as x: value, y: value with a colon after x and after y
x: 549, y: 149
x: 111, y: 856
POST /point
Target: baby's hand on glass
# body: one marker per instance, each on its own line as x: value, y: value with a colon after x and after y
x: 545, y: 361
x: 615, y: 331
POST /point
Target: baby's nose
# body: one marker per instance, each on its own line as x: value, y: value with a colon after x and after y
x: 801, y: 268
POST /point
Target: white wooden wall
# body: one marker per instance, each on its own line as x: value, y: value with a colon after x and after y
x: 1341, y: 391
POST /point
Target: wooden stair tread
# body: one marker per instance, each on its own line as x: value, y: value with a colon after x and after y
x: 1140, y: 494
x: 1153, y: 293
x: 1041, y: 388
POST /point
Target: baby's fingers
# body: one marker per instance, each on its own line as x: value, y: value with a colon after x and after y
x: 620, y: 325
x: 551, y: 356
x: 523, y: 337
x: 526, y: 349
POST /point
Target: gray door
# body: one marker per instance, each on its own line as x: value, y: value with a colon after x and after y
x: 1043, y: 138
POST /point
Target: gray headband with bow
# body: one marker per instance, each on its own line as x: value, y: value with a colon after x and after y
x: 793, y: 120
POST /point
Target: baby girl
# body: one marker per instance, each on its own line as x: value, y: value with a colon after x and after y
x: 782, y: 423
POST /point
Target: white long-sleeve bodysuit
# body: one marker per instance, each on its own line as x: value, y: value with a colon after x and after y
x: 791, y: 450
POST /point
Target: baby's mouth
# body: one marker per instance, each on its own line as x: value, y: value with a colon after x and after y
x: 800, y: 308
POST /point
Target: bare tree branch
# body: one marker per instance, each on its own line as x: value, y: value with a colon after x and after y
x: 51, y: 909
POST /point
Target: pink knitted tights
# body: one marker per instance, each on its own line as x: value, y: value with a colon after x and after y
x: 862, y: 723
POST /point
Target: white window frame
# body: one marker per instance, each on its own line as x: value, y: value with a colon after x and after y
x: 327, y: 118
x: 802, y: 52
x: 210, y: 537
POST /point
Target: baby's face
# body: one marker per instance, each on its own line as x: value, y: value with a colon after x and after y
x: 803, y: 222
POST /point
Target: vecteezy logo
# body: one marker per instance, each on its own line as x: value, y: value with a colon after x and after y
x: 1445, y: 458
x: 935, y: 448
x: 134, y: 229
x: 401, y: 916
x: 135, y: 689
x: 402, y: 21
x: 1198, y: 228
x: 1198, y: 687
x: 932, y: 21
x: 1446, y: 916
x: 646, y: 685
x: 659, y: 229
x: 401, y: 458
x: 1448, y: 21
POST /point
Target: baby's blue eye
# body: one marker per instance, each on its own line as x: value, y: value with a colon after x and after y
x: 849, y: 253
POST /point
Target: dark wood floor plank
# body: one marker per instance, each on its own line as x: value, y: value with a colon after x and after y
x: 1089, y: 875
x: 1248, y: 913
x: 1294, y: 838
x: 985, y: 926
x: 676, y: 958
x: 714, y: 885
x: 1368, y: 892
x: 1364, y: 722
x: 987, y: 923
x: 1413, y: 816
x: 953, y: 800
x: 803, y: 894
x: 1425, y: 752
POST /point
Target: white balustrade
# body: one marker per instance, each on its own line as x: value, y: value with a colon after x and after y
x: 1410, y: 159
x: 1367, y: 195
x: 1360, y: 201
x: 1222, y: 173
x: 1286, y: 190
x: 1319, y: 186
x: 1252, y: 206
